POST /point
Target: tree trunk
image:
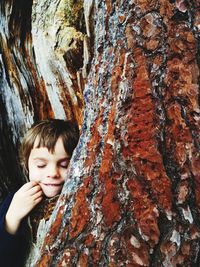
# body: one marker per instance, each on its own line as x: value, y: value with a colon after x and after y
x: 132, y: 195
x: 39, y: 79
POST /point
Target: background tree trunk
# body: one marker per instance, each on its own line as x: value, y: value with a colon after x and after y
x: 41, y: 73
x: 131, y: 197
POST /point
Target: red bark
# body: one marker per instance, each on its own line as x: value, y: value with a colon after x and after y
x: 136, y: 198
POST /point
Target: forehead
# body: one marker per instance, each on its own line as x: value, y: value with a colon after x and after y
x: 58, y: 150
x: 41, y: 141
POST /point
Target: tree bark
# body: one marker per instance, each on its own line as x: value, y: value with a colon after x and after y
x: 132, y: 193
x: 131, y: 197
x: 39, y: 79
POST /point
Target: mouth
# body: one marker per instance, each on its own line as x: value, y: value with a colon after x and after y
x: 57, y: 185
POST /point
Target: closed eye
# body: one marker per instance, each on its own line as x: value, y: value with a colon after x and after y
x: 64, y: 164
x: 41, y: 166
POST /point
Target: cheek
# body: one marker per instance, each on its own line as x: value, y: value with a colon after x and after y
x: 63, y: 174
x: 34, y: 174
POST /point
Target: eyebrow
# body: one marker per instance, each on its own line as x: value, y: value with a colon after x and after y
x: 63, y: 159
x: 45, y: 159
x: 39, y: 159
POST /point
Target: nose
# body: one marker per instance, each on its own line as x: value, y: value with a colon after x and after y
x: 53, y: 171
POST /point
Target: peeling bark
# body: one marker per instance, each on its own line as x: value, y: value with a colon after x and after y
x: 131, y: 197
x: 38, y: 76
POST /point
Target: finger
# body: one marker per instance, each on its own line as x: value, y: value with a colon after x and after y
x: 36, y: 201
x: 34, y: 190
x: 28, y: 186
x: 37, y: 195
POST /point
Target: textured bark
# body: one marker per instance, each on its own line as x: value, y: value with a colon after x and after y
x: 132, y: 195
x: 38, y: 76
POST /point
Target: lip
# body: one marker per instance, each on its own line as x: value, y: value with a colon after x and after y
x: 51, y: 184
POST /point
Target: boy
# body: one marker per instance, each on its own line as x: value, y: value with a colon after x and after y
x: 45, y: 154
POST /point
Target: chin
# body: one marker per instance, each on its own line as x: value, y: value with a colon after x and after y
x: 51, y: 191
x: 51, y: 194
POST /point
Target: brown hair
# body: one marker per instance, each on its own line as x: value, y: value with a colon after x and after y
x: 47, y: 133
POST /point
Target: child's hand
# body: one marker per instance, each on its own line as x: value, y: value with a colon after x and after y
x: 24, y: 200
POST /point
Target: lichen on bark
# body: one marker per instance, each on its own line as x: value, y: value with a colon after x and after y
x: 74, y: 14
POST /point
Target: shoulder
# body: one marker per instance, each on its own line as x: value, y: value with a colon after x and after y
x: 6, y: 203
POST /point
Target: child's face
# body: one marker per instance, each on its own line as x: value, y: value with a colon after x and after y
x: 48, y: 169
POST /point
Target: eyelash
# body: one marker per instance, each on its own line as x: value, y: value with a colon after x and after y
x: 62, y: 166
x: 41, y: 166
